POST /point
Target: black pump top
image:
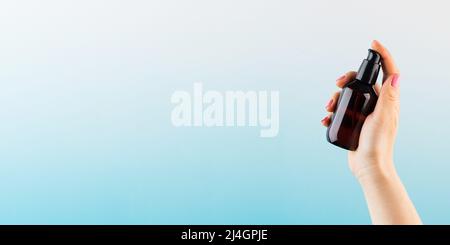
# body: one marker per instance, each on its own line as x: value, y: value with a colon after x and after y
x: 368, y: 71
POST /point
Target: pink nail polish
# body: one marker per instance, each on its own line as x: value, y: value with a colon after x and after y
x: 330, y: 102
x: 324, y: 119
x: 395, y: 81
x: 340, y: 78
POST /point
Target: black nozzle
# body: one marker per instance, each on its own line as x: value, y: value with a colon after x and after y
x: 368, y: 71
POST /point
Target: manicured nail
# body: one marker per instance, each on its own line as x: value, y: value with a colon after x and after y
x: 395, y: 81
x: 340, y: 78
x: 324, y: 119
x: 330, y: 102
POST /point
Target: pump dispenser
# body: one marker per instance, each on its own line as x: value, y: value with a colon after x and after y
x: 368, y: 71
x: 356, y: 101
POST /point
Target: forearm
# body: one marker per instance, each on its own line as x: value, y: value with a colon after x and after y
x: 387, y: 199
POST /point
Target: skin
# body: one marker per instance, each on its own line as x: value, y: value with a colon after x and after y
x: 372, y: 163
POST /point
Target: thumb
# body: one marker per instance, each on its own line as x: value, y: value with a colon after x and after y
x: 389, y: 97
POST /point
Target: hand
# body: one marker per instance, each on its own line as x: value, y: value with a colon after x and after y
x: 376, y: 143
x: 372, y: 163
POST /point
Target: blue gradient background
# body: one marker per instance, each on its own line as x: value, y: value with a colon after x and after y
x: 85, y: 131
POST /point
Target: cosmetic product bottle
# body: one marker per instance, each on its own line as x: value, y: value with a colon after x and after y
x: 356, y: 101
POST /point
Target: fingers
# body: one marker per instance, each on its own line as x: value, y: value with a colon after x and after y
x: 389, y: 94
x: 389, y: 99
x: 326, y: 120
x: 344, y: 79
x: 330, y: 107
x: 331, y: 104
x: 388, y: 64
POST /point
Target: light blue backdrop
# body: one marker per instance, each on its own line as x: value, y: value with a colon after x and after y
x: 85, y: 132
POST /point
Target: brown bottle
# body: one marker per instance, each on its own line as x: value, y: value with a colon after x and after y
x: 356, y: 101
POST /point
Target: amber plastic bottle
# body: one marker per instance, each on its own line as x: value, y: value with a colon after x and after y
x: 356, y: 101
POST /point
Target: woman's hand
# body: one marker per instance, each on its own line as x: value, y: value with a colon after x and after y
x: 372, y: 163
x: 376, y: 143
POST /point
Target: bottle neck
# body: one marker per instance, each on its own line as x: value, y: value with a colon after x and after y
x: 368, y: 72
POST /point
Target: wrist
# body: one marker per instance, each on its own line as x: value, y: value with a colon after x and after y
x: 377, y: 173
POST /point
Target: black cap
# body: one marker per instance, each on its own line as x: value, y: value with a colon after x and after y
x: 368, y: 71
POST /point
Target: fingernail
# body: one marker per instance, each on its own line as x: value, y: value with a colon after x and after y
x: 330, y: 102
x: 340, y: 78
x: 395, y: 81
x: 324, y: 119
